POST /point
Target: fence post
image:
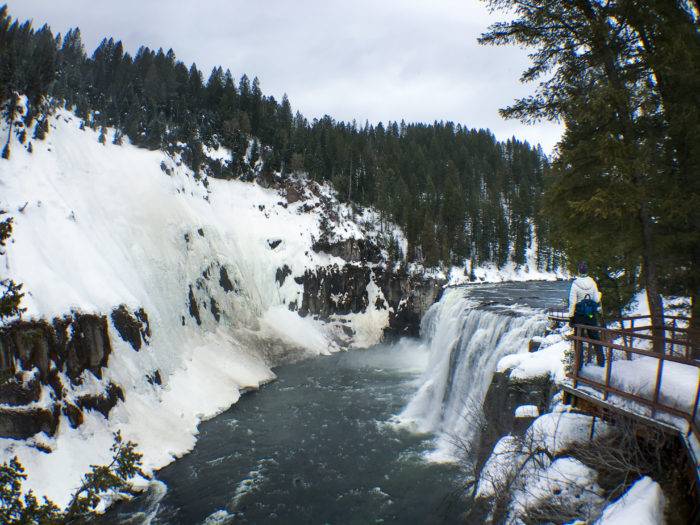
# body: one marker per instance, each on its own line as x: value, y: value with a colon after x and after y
x: 632, y: 332
x: 626, y: 343
x: 657, y: 388
x: 577, y: 359
x: 608, y: 367
x: 695, y: 404
x: 673, y: 335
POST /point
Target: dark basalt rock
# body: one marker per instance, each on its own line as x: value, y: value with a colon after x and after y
x: 154, y: 378
x: 24, y: 423
x: 267, y: 179
x: 503, y: 397
x: 274, y: 243
x: 74, y: 415
x: 214, y: 308
x: 338, y: 291
x: 37, y: 343
x: 89, y: 347
x: 409, y: 296
x: 293, y: 192
x: 351, y: 250
x: 103, y: 403
x: 334, y: 290
x: 54, y: 381
x: 15, y: 392
x: 72, y: 344
x: 134, y: 329
x: 193, y: 308
x: 224, y: 280
x: 282, y: 273
x: 33, y: 343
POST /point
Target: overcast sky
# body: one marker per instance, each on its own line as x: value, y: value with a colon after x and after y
x: 380, y: 60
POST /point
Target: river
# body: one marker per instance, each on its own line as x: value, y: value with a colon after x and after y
x: 353, y: 437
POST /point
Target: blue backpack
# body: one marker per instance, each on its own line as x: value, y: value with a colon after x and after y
x: 587, y: 308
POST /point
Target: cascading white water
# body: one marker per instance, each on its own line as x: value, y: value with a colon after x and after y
x: 466, y: 341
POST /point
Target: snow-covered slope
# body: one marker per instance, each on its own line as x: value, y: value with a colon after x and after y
x: 99, y: 225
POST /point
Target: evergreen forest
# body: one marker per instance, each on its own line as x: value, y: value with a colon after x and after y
x: 459, y: 194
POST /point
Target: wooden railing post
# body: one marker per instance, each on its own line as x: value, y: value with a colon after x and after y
x: 657, y: 387
x: 608, y: 368
x: 632, y: 332
x: 577, y: 364
x: 673, y: 335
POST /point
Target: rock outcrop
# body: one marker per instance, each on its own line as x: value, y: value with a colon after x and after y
x: 132, y: 327
x: 73, y: 343
x: 351, y: 250
x: 335, y: 291
x: 35, y: 354
x: 409, y: 296
x: 503, y: 397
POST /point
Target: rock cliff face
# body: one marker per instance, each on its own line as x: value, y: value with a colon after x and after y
x: 503, y: 397
x: 71, y: 344
x: 409, y: 295
x: 216, y: 265
x: 37, y: 358
x: 336, y: 290
x: 352, y: 250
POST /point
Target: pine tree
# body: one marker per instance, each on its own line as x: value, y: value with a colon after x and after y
x: 609, y: 175
x: 20, y: 508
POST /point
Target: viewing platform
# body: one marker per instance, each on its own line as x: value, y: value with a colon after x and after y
x: 650, y: 374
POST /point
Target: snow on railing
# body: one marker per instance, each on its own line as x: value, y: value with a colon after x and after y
x: 630, y: 348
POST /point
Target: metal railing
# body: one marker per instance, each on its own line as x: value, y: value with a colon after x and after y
x: 623, y: 343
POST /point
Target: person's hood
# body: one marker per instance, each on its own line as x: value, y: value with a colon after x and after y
x: 586, y: 284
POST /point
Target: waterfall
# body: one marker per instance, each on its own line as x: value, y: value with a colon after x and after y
x: 466, y: 339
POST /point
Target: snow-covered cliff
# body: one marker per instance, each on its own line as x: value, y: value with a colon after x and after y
x: 211, y: 275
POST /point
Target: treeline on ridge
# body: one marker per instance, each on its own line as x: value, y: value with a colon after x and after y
x: 458, y: 193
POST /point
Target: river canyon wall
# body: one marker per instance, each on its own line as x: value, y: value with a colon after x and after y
x: 154, y: 296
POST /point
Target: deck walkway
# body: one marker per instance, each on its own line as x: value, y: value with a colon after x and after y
x: 649, y: 374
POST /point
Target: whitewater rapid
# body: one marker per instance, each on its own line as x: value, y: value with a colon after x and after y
x: 466, y: 337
